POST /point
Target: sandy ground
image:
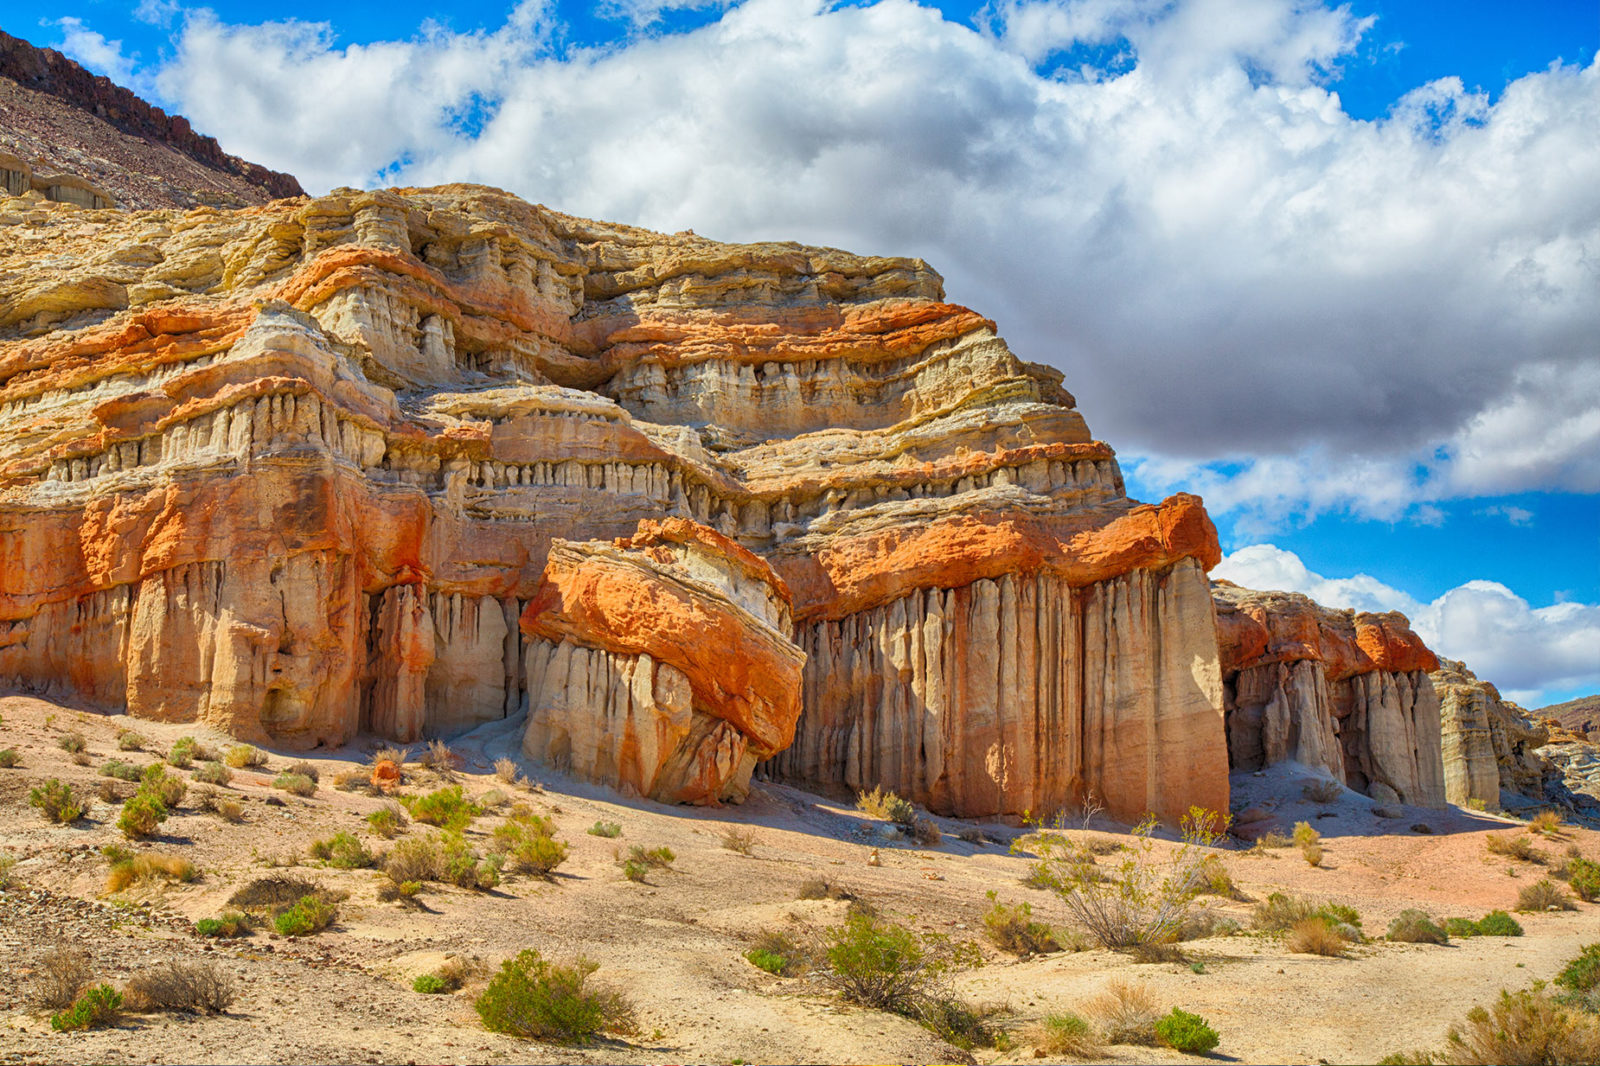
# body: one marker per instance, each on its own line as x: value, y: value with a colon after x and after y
x: 675, y: 945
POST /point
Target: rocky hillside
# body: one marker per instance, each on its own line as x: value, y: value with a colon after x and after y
x: 358, y: 463
x: 1581, y: 715
x: 58, y: 121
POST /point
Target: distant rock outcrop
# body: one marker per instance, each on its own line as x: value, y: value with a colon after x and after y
x: 1338, y: 691
x: 1490, y: 744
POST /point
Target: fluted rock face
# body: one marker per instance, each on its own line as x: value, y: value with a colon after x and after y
x: 661, y: 663
x: 298, y: 470
x: 1490, y: 745
x: 1339, y: 691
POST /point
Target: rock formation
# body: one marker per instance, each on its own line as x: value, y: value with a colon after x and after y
x: 1343, y: 692
x: 328, y: 464
x: 1490, y: 745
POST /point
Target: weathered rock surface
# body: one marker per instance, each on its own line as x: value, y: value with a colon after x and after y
x: 1343, y: 692
x: 333, y: 464
x: 661, y: 663
x: 1490, y: 745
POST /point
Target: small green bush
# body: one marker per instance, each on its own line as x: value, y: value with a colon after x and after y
x: 531, y: 997
x: 212, y: 772
x: 344, y: 851
x: 387, y: 821
x: 122, y: 771
x: 232, y: 923
x: 141, y: 816
x: 639, y: 861
x: 56, y: 802
x: 1068, y: 1034
x: 295, y: 784
x: 73, y: 742
x: 130, y: 741
x: 242, y: 756
x: 182, y: 753
x: 446, y: 808
x: 167, y: 788
x: 1495, y: 923
x: 430, y: 984
x: 1543, y: 895
x: 9, y: 758
x: 887, y: 806
x: 1012, y: 929
x: 1412, y: 926
x: 530, y: 840
x: 1583, y: 973
x: 1304, y: 836
x: 311, y: 914
x: 1186, y: 1032
x: 769, y: 961
x: 605, y: 829
x: 97, y: 1006
x: 1583, y: 875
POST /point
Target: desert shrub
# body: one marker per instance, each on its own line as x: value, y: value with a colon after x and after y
x: 142, y: 816
x: 295, y: 784
x: 9, y: 758
x: 1067, y: 1034
x: 305, y: 769
x: 344, y: 851
x: 122, y: 771
x: 1012, y: 928
x: 1213, y: 879
x: 227, y: 924
x: 735, y: 838
x: 531, y: 997
x: 493, y: 799
x: 447, y: 978
x: 506, y: 770
x: 1321, y: 791
x: 1279, y: 912
x: 130, y: 741
x: 229, y: 810
x: 817, y: 888
x: 605, y: 829
x: 1495, y: 923
x: 1127, y: 1014
x: 1543, y: 895
x: 1143, y: 900
x: 769, y: 961
x: 100, y: 1005
x: 167, y: 788
x: 212, y: 773
x: 354, y: 781
x: 1513, y: 847
x: 1205, y: 922
x: 56, y: 802
x: 925, y: 831
x: 638, y: 861
x: 1316, y: 936
x: 128, y: 869
x: 1272, y: 839
x: 61, y: 973
x: 1412, y: 926
x: 530, y: 841
x: 1529, y: 1026
x: 387, y: 821
x: 1546, y: 822
x: 1305, y: 835
x: 1583, y: 876
x: 7, y: 877
x: 183, y: 752
x: 415, y: 859
x: 277, y: 893
x: 1186, y: 1032
x: 1312, y: 853
x: 109, y: 792
x: 399, y: 891
x: 884, y: 965
x: 777, y: 954
x: 887, y: 806
x: 446, y: 808
x: 242, y: 756
x: 397, y: 757
x: 73, y: 742
x: 430, y: 984
x: 195, y: 987
x: 311, y: 914
x: 438, y: 757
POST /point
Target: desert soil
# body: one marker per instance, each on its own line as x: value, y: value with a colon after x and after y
x: 675, y: 945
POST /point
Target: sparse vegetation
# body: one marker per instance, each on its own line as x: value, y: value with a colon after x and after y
x: 1305, y: 835
x: 1067, y: 1034
x: 1495, y: 923
x: 72, y: 742
x: 1544, y: 895
x: 506, y: 770
x: 737, y: 838
x: 445, y: 858
x: 777, y: 954
x: 1531, y: 1026
x: 531, y: 842
x: 227, y: 924
x: 122, y: 771
x: 605, y: 829
x: 446, y: 808
x: 388, y: 821
x: 438, y: 757
x: 429, y: 984
x: 311, y: 914
x: 1547, y: 823
x: 184, y: 751
x: 1316, y: 936
x: 195, y: 987
x: 59, y: 975
x: 212, y: 772
x: 1279, y: 912
x: 1581, y: 975
x: 168, y: 788
x: 533, y: 998
x: 1312, y: 853
x: 56, y: 802
x: 881, y: 964
x: 128, y: 869
x: 1271, y: 840
x: 1011, y: 928
x: 98, y: 1006
x: 1583, y: 877
x: 638, y: 861
x: 1321, y: 791
x: 142, y: 816
x: 345, y: 851
x: 9, y: 758
x: 1512, y: 847
x: 1186, y: 1032
x: 130, y: 741
x: 886, y: 806
x: 1127, y: 1014
x: 244, y: 756
x: 295, y: 784
x: 1412, y: 926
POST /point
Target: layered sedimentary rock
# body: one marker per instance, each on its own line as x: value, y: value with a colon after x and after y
x: 1490, y: 745
x: 661, y: 663
x: 1338, y: 691
x: 302, y: 469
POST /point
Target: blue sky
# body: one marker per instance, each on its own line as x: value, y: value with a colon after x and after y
x: 1337, y: 268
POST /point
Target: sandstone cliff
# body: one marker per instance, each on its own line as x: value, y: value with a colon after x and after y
x: 1338, y: 691
x: 1490, y: 745
x: 302, y: 469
